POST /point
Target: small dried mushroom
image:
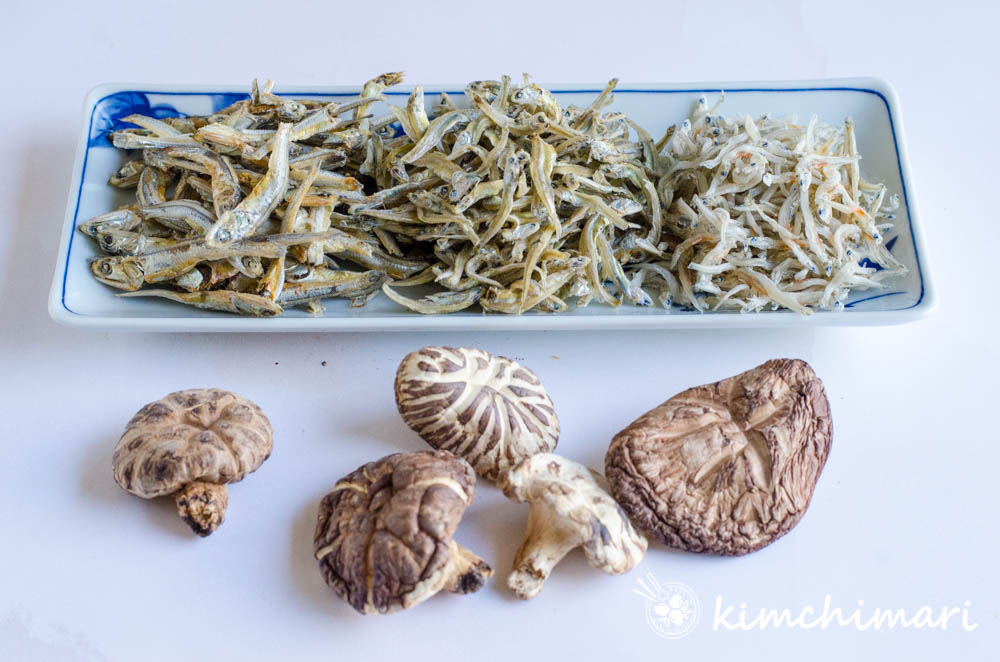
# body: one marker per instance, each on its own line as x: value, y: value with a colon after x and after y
x: 488, y: 409
x: 729, y: 467
x: 191, y: 444
x: 570, y: 508
x: 384, y: 534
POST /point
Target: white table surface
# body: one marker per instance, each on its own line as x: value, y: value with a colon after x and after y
x: 904, y: 514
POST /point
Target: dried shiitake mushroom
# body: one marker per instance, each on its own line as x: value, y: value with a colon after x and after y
x: 384, y: 534
x: 191, y: 444
x: 570, y: 508
x: 488, y: 409
x: 729, y: 467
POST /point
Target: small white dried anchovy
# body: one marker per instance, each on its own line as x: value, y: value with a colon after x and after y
x: 768, y: 212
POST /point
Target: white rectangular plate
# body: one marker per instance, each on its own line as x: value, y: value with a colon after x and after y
x: 77, y: 299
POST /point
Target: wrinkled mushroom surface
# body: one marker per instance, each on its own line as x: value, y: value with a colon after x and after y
x: 191, y: 443
x: 384, y: 534
x: 485, y: 408
x: 570, y: 508
x: 725, y: 468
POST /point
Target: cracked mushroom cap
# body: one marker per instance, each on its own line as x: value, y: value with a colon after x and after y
x: 384, y: 534
x: 191, y: 443
x: 729, y: 467
x: 570, y: 508
x: 486, y: 408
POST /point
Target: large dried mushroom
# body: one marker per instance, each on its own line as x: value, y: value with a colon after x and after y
x: 485, y: 408
x: 725, y: 468
x: 570, y: 508
x: 384, y: 534
x: 191, y: 444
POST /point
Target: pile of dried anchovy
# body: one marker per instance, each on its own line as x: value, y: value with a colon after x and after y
x: 512, y: 203
x: 768, y: 213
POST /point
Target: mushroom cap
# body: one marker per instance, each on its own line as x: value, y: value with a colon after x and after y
x: 729, y: 467
x: 384, y: 534
x: 207, y: 435
x: 485, y: 408
x: 578, y: 498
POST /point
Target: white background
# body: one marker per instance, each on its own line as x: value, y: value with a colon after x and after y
x: 904, y: 514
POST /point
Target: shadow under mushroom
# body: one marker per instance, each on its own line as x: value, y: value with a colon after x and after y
x: 303, y: 566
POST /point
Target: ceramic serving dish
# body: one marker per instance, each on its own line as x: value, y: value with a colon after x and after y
x: 77, y: 299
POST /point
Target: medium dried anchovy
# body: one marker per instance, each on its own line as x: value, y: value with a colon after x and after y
x: 514, y: 202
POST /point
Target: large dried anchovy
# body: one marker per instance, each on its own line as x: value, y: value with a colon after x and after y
x: 237, y: 211
x: 507, y: 201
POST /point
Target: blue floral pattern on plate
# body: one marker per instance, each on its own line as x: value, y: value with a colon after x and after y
x: 877, y: 267
x: 220, y: 101
x: 111, y: 109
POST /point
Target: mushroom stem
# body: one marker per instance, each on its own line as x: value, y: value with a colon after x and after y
x: 467, y: 573
x: 202, y: 506
x: 547, y: 540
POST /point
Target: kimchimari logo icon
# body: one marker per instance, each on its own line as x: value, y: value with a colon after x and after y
x: 671, y: 609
